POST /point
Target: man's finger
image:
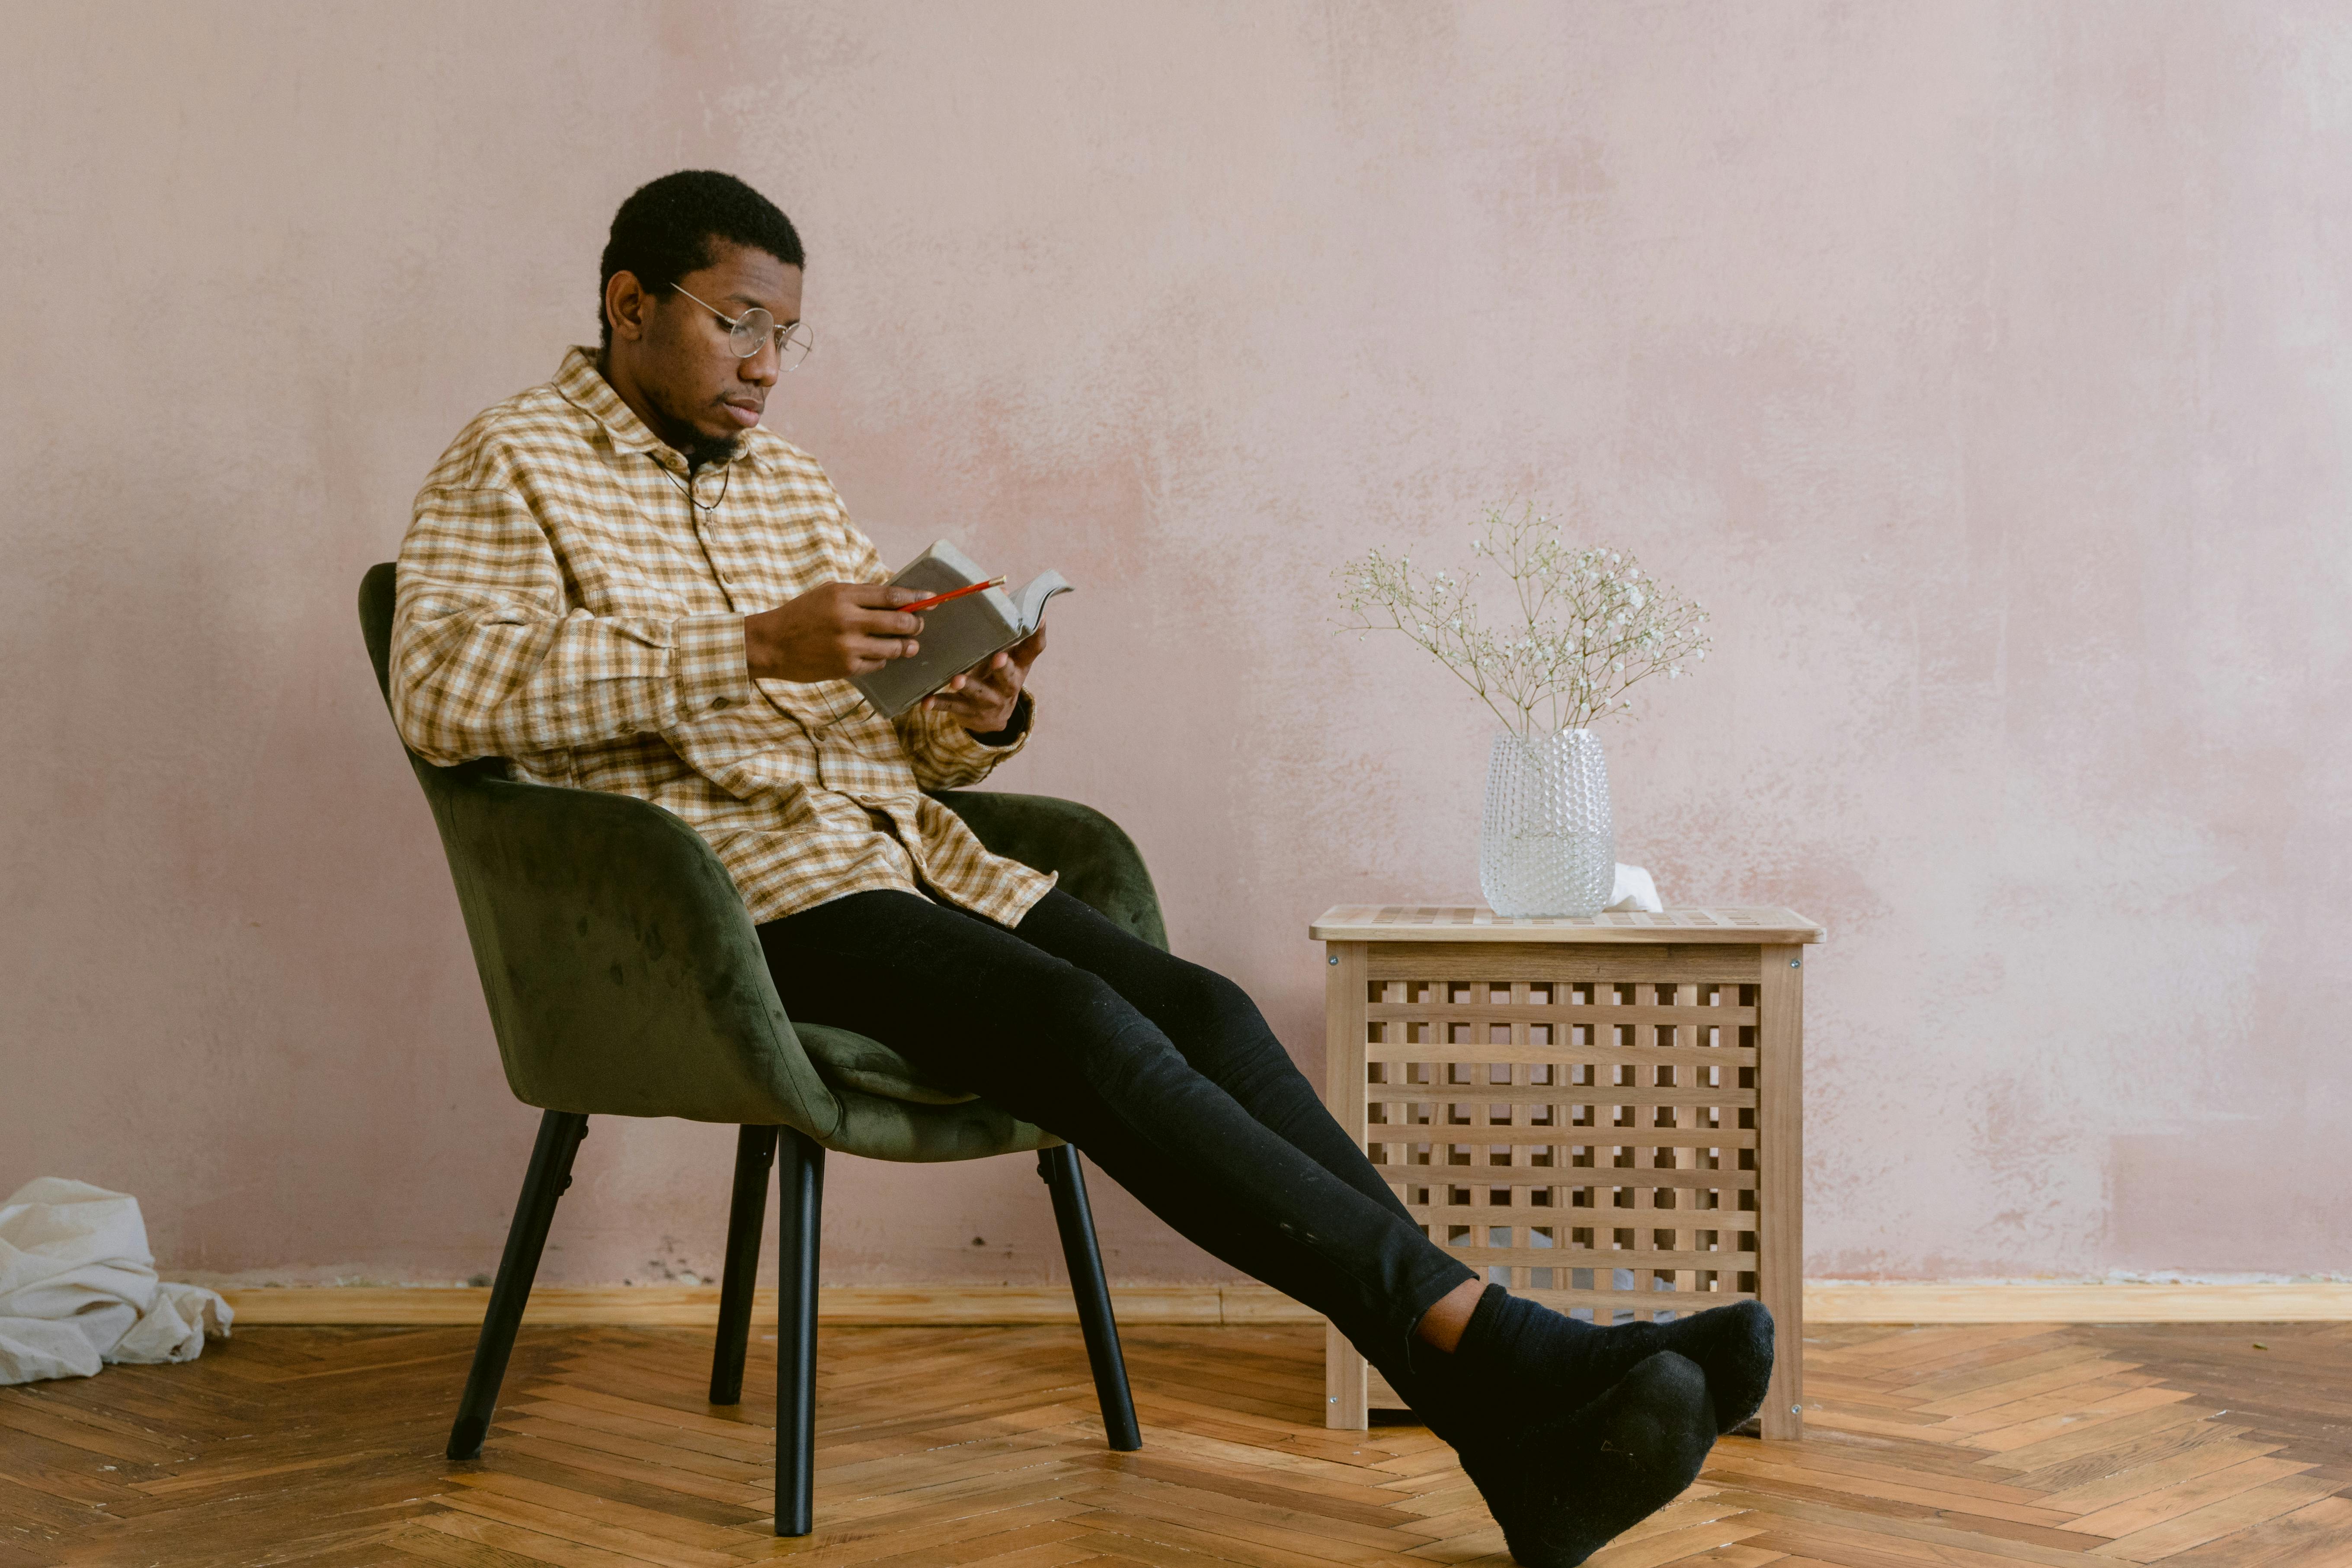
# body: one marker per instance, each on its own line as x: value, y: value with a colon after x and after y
x: 882, y: 649
x: 876, y: 623
x: 966, y: 700
x: 880, y: 595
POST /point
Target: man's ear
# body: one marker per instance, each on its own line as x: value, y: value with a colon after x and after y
x: 625, y: 303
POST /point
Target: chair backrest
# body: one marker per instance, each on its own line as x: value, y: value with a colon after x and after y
x: 621, y: 972
x: 1095, y: 862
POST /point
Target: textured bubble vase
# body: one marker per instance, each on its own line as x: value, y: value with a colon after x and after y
x: 1548, y: 846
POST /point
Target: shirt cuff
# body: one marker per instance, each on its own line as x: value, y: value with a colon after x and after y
x: 1015, y: 731
x: 954, y: 747
x: 707, y: 663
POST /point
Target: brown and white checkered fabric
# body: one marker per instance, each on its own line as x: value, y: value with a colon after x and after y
x: 562, y: 605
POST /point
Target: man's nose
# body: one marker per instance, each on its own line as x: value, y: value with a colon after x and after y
x: 762, y: 368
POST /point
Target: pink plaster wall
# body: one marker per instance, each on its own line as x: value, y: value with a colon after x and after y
x: 1982, y: 365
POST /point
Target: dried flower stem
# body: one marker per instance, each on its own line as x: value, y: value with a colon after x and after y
x: 1590, y: 625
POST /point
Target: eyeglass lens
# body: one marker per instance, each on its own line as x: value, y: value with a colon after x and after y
x: 755, y: 327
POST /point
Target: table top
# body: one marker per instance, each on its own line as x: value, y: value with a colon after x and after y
x: 1476, y: 922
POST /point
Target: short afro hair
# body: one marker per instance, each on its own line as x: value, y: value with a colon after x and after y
x: 664, y: 231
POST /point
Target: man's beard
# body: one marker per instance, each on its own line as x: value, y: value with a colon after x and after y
x: 709, y: 449
x: 701, y: 452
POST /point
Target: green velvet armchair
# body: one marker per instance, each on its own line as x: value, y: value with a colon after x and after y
x: 623, y: 978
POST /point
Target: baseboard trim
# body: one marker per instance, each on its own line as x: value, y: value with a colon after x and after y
x: 2317, y: 1301
x: 696, y: 1306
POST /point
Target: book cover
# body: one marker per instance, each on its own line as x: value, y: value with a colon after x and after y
x: 957, y: 634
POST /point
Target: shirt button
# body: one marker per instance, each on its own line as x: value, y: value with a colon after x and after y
x: 719, y: 702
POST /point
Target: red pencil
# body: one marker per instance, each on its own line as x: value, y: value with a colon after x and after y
x: 938, y: 599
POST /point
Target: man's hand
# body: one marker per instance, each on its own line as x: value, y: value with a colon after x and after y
x: 835, y: 629
x: 982, y: 698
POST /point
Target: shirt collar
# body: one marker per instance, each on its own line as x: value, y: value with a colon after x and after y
x: 583, y: 386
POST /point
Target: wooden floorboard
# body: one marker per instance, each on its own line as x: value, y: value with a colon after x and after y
x: 1968, y: 1446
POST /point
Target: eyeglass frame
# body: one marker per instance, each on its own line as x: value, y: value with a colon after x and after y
x: 781, y: 336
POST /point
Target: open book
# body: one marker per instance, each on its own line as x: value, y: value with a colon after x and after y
x: 959, y: 634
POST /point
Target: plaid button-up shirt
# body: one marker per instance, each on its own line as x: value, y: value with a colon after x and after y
x: 561, y: 604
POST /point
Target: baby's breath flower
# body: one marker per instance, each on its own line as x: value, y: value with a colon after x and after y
x: 1584, y: 624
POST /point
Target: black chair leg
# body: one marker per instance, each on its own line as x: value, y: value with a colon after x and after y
x: 1058, y: 1169
x: 549, y: 1174
x: 755, y: 1150
x: 800, y: 1182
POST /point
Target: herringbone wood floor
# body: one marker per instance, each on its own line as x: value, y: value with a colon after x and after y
x: 1982, y: 1447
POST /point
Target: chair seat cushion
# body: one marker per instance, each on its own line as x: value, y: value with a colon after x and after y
x: 853, y: 1061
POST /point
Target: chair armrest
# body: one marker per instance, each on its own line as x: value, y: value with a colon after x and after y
x: 1097, y: 861
x: 622, y: 971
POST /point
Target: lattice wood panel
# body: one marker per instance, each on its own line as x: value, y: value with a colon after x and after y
x: 1592, y: 1144
x: 1611, y: 1126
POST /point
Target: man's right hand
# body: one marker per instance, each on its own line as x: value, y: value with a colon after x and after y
x: 833, y: 630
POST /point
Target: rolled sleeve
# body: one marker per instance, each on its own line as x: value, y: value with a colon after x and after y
x: 946, y: 755
x: 1014, y: 733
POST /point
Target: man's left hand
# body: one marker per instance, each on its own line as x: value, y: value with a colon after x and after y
x: 982, y: 698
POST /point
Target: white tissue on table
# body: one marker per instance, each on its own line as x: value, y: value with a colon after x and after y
x: 1634, y: 891
x: 78, y: 1287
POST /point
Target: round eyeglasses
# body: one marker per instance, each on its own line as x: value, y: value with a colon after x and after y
x: 748, y: 333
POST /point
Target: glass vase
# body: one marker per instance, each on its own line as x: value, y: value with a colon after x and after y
x: 1546, y: 845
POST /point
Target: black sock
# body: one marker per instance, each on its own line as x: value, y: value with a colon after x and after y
x: 1513, y: 1344
x: 1564, y: 1488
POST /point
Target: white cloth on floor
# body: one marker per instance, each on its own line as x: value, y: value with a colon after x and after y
x: 1634, y: 891
x: 78, y: 1287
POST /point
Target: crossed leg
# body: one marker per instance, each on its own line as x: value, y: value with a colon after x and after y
x: 1165, y: 1073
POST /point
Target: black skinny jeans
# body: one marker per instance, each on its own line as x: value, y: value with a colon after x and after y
x: 1160, y: 1071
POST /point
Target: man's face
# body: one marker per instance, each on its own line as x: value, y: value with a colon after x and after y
x: 677, y: 355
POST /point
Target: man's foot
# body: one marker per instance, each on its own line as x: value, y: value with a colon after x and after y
x: 1516, y: 1343
x: 1563, y: 1488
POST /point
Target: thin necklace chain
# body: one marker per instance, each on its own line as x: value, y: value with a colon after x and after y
x: 686, y: 486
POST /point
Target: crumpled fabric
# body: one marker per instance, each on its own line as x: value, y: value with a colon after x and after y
x: 78, y: 1287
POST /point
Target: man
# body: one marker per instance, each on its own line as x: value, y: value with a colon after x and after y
x: 621, y: 581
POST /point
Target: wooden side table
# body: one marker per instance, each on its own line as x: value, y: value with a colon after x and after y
x: 1602, y: 1112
